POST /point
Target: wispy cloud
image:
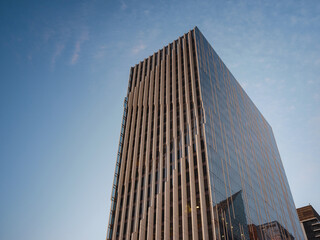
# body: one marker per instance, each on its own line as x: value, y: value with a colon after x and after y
x: 146, y: 12
x: 76, y: 53
x: 101, y: 53
x: 138, y: 48
x: 292, y: 108
x: 59, y: 49
x: 123, y: 5
x: 77, y: 48
x: 48, y: 34
x: 314, y: 124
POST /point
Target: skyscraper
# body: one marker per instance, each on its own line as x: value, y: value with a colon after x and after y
x: 196, y: 158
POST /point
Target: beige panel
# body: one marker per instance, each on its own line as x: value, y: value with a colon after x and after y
x: 203, y: 207
x: 175, y: 172
x: 183, y: 160
x: 154, y: 147
x: 150, y: 104
x: 166, y: 80
x: 135, y: 152
x: 130, y: 151
x: 140, y: 163
x: 190, y: 150
x: 143, y: 157
x: 154, y: 152
x: 151, y: 207
x: 160, y: 162
x: 124, y: 157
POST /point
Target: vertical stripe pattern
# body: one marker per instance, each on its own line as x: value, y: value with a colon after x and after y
x: 161, y: 191
x: 196, y: 159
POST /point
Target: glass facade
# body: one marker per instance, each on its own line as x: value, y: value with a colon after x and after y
x: 242, y: 155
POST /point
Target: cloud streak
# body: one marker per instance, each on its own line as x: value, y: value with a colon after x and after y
x: 123, y: 5
x: 59, y: 49
x: 138, y: 48
x: 77, y: 48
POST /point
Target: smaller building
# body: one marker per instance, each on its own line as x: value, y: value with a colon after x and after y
x: 269, y: 231
x: 310, y: 221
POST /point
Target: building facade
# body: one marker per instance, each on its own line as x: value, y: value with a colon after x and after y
x: 196, y: 158
x: 310, y: 221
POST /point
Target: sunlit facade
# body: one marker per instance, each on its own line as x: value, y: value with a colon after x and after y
x: 196, y: 158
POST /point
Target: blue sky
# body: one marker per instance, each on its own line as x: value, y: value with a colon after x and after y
x: 64, y: 74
